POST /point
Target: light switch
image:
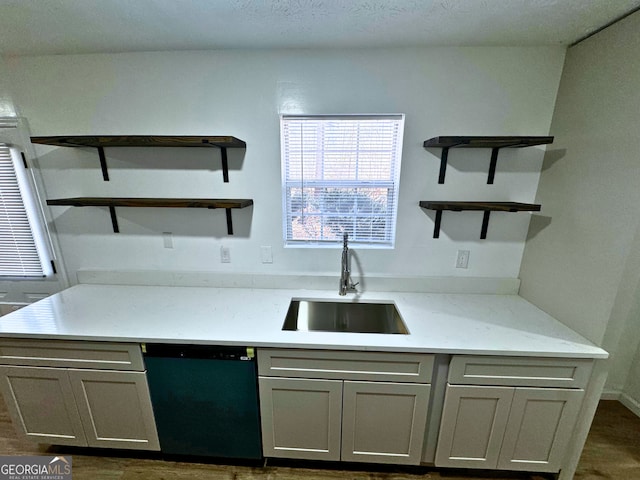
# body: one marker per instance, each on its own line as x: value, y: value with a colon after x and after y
x: 167, y: 239
x: 266, y: 255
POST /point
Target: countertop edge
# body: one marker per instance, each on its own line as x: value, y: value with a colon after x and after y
x: 596, y: 355
x: 450, y: 324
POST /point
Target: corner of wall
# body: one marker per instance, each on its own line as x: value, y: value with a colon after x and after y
x: 581, y: 262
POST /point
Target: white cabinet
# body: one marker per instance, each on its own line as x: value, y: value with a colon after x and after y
x: 71, y: 406
x: 301, y: 418
x: 41, y: 404
x: 343, y: 416
x: 510, y: 427
x: 115, y: 409
x: 473, y: 424
x: 539, y: 428
x: 384, y: 422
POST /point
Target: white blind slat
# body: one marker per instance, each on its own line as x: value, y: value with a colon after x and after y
x: 340, y: 174
x: 18, y: 252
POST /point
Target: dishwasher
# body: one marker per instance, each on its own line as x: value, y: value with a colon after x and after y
x: 205, y: 399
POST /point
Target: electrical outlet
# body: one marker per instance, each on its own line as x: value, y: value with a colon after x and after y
x: 225, y: 255
x: 462, y: 261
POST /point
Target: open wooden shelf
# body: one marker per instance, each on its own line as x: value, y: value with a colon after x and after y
x: 490, y: 206
x: 140, y: 141
x: 113, y: 202
x: 486, y: 142
x: 102, y: 141
x: 486, y: 207
x: 495, y: 143
x: 151, y: 202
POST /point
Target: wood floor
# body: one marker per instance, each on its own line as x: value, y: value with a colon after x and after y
x: 612, y: 452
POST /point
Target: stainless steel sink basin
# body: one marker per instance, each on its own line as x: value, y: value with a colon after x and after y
x: 328, y: 316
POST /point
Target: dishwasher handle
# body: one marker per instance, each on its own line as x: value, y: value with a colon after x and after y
x: 209, y: 352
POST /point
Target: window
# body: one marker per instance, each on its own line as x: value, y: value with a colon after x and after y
x: 340, y: 174
x: 22, y: 250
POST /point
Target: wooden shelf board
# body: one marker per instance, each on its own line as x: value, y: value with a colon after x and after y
x: 486, y: 142
x: 152, y: 202
x: 486, y: 207
x: 140, y: 141
x: 482, y: 206
x: 495, y: 143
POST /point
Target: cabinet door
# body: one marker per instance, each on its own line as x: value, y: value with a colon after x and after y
x: 41, y: 404
x: 384, y: 422
x: 473, y: 425
x: 115, y: 408
x: 540, y: 425
x: 301, y: 418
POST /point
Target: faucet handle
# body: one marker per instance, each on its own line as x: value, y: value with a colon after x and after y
x: 345, y: 239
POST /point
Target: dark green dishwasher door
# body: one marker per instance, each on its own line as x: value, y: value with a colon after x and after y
x: 205, y: 406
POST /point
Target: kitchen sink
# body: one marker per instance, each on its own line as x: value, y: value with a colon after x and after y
x: 356, y: 317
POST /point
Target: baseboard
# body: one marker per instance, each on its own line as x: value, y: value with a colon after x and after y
x: 610, y: 395
x: 631, y: 403
x: 623, y: 398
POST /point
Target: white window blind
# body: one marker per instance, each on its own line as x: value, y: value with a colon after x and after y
x: 18, y: 252
x: 340, y: 174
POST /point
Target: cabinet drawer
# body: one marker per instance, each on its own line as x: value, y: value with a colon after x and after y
x: 75, y: 354
x: 376, y: 366
x: 518, y: 371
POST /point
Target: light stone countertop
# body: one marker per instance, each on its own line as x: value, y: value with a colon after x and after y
x: 479, y: 324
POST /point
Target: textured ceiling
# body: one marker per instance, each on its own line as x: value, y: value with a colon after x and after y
x: 88, y: 26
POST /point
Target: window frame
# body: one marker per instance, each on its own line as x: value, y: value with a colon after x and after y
x: 10, y: 136
x: 392, y: 183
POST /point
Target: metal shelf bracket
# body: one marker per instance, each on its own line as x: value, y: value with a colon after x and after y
x: 443, y: 164
x: 114, y: 220
x: 229, y: 219
x: 444, y: 158
x: 116, y: 228
x: 223, y: 156
x: 483, y: 232
x: 103, y: 164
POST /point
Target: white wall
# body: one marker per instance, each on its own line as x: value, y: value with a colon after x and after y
x: 7, y: 108
x: 15, y: 131
x: 442, y: 91
x: 584, y: 267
